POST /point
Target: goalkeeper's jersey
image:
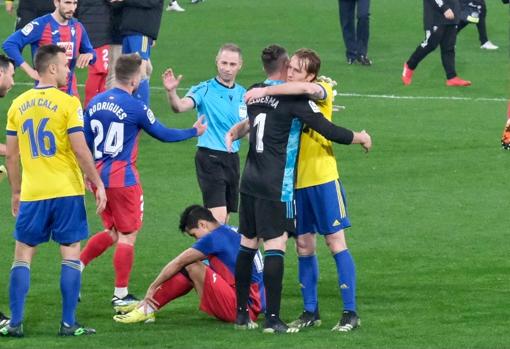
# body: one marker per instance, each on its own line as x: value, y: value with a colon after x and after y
x: 316, y: 161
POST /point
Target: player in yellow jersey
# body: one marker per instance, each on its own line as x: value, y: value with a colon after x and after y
x: 320, y: 198
x: 45, y: 130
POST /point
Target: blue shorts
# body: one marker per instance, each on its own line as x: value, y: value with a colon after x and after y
x: 321, y: 209
x: 63, y: 219
x: 137, y: 43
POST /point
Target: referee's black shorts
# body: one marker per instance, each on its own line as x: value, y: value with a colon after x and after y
x: 218, y: 177
x: 265, y: 219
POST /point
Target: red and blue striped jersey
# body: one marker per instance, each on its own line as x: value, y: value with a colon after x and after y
x: 46, y: 30
x: 221, y: 247
x: 112, y: 124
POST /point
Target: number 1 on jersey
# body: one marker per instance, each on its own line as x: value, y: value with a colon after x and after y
x: 260, y: 121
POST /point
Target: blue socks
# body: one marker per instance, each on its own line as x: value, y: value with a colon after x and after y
x: 70, y: 283
x: 19, y: 284
x: 308, y: 278
x: 346, y: 278
x: 143, y: 92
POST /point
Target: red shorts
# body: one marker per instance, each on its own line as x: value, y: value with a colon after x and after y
x: 219, y: 298
x: 124, y: 209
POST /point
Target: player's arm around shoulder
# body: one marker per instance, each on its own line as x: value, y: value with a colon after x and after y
x: 313, y: 90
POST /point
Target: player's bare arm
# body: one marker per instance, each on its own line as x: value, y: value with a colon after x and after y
x: 170, y: 82
x: 13, y: 167
x: 312, y: 90
x: 186, y: 258
x: 9, y: 6
x: 27, y: 68
x: 237, y: 131
x: 86, y: 163
x: 2, y: 149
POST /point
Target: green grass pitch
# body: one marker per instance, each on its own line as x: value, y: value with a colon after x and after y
x: 429, y: 204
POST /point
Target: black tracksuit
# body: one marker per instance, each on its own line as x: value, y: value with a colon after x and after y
x: 141, y: 17
x: 95, y: 17
x: 439, y: 31
x: 481, y: 26
x: 32, y: 9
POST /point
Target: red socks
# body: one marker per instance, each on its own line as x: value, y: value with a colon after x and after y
x: 95, y: 247
x: 122, y: 263
x: 177, y: 286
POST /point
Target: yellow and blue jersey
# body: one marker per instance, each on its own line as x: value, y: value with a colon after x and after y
x: 316, y: 161
x: 42, y: 119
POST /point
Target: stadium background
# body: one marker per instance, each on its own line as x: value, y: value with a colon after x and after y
x: 429, y: 204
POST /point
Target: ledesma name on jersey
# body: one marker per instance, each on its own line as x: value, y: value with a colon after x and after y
x: 269, y: 100
x: 108, y: 106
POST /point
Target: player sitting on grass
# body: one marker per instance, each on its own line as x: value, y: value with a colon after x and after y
x: 214, y: 283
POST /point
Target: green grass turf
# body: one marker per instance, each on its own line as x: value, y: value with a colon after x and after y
x: 429, y: 204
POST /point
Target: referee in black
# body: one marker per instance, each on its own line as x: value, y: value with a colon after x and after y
x: 267, y: 185
x: 29, y: 10
x: 440, y: 20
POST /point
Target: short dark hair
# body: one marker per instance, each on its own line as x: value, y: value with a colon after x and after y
x: 310, y: 60
x: 127, y: 66
x: 273, y: 57
x: 192, y: 214
x: 5, y: 61
x: 46, y: 55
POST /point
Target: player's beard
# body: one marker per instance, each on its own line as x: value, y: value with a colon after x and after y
x: 66, y: 15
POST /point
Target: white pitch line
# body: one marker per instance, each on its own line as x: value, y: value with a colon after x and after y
x: 474, y: 99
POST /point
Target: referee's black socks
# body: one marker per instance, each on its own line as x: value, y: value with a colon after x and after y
x: 243, y: 276
x: 273, y: 276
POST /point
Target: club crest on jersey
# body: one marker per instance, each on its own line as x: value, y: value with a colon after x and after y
x: 73, y: 31
x: 68, y: 46
x: 314, y: 107
x: 27, y: 29
x: 150, y: 116
x: 80, y: 114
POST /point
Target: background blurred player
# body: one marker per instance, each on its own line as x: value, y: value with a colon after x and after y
x: 139, y: 27
x: 440, y: 19
x: 60, y: 28
x: 113, y: 122
x: 49, y: 202
x: 214, y: 283
x: 95, y: 16
x: 28, y: 10
x: 221, y: 101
